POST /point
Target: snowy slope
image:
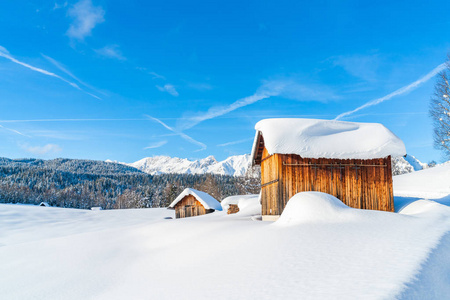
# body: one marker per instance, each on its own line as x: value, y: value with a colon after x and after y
x: 428, y: 183
x: 233, y: 165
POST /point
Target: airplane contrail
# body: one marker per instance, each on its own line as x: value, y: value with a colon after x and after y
x: 398, y: 92
x: 181, y: 134
x: 4, y: 53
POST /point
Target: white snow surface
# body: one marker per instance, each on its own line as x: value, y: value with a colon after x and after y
x: 318, y: 249
x: 234, y: 165
x: 428, y: 183
x: 205, y: 199
x: 313, y: 138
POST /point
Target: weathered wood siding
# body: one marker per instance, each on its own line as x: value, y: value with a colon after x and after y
x: 270, y: 188
x: 189, y: 207
x: 358, y: 183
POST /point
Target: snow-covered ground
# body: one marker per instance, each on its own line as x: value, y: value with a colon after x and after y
x: 429, y: 183
x: 318, y: 249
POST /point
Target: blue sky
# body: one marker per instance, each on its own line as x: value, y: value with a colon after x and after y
x: 126, y: 80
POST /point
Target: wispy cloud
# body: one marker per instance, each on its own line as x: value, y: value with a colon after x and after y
x: 153, y: 74
x: 58, y: 135
x: 178, y: 132
x: 42, y: 150
x: 235, y: 142
x: 156, y: 145
x: 58, y: 6
x: 156, y: 75
x: 85, y: 17
x: 4, y: 53
x: 64, y: 69
x: 398, y: 92
x: 111, y: 51
x: 361, y: 66
x: 71, y: 120
x: 168, y: 88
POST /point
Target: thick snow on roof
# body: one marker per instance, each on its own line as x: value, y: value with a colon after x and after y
x: 314, y: 138
x: 205, y: 199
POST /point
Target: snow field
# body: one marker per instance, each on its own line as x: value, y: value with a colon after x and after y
x: 318, y: 249
x: 73, y: 254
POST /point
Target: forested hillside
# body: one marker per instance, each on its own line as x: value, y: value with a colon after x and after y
x: 86, y: 183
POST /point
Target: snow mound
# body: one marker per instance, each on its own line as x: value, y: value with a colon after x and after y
x: 312, y: 207
x: 249, y: 205
x: 312, y: 138
x: 205, y: 199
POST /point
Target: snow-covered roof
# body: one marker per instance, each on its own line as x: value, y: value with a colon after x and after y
x: 205, y: 199
x: 312, y: 138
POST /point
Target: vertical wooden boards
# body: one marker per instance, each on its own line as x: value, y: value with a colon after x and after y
x: 365, y: 184
x: 270, y: 194
x: 189, y: 207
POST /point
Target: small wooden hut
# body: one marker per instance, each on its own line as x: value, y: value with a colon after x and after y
x: 351, y: 161
x: 192, y: 203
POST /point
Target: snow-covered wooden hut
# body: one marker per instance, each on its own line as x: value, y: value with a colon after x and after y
x: 44, y: 204
x: 194, y: 203
x: 351, y: 161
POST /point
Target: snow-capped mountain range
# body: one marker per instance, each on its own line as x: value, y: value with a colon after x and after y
x: 233, y: 165
x: 237, y: 165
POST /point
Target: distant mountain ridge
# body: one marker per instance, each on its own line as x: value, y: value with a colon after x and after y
x: 407, y: 164
x: 238, y: 165
x: 233, y: 166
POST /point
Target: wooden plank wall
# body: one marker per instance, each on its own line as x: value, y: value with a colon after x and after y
x: 270, y: 167
x: 189, y: 207
x: 366, y: 187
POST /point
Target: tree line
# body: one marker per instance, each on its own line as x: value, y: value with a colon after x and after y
x: 84, y: 184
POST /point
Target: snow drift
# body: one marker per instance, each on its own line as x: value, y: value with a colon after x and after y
x: 312, y: 207
x: 249, y: 205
